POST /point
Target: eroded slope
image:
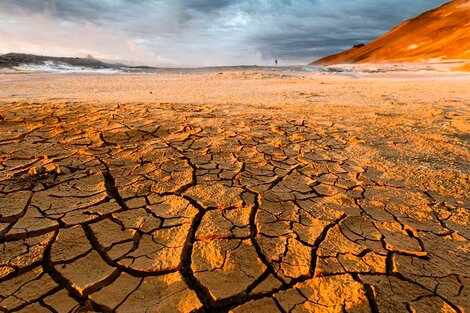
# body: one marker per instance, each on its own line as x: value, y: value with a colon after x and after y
x: 440, y: 33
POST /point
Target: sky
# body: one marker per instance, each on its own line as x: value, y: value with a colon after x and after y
x: 199, y: 32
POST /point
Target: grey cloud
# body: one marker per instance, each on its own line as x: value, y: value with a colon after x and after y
x: 203, y: 32
x: 208, y: 5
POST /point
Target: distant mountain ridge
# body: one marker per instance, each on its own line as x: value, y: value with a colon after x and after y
x: 440, y: 33
x: 12, y: 60
x: 17, y: 59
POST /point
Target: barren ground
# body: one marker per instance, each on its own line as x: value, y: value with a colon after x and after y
x: 239, y: 192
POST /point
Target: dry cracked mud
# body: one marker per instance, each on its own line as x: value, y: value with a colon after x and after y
x: 187, y: 207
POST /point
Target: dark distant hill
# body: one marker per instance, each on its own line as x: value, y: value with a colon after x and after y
x: 11, y: 60
x: 17, y: 59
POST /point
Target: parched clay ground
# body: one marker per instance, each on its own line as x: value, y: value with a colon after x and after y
x: 234, y: 192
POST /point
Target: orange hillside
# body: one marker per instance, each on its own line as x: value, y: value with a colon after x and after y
x: 440, y: 33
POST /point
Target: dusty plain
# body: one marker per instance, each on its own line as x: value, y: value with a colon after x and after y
x: 257, y: 191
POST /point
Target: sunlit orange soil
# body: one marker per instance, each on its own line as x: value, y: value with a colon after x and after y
x: 239, y: 192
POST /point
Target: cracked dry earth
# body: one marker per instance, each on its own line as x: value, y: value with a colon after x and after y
x: 236, y: 207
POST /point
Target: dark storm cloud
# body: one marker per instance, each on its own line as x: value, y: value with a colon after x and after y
x: 200, y: 32
x: 208, y: 5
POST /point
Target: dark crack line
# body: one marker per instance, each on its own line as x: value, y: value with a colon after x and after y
x: 111, y: 189
x: 48, y: 267
x: 318, y: 242
x: 115, y: 263
x: 4, y: 233
x: 404, y: 278
x: 186, y: 260
x: 370, y: 294
x: 254, y: 235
